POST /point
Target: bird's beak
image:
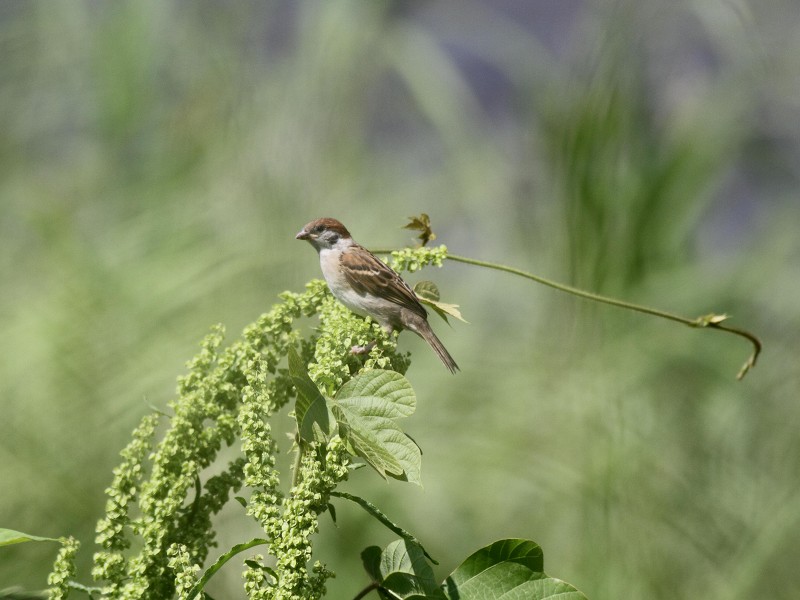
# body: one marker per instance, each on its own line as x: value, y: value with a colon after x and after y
x: 303, y: 235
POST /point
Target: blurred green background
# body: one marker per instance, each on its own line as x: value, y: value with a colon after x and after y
x: 157, y: 158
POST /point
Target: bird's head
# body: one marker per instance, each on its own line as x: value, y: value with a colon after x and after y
x: 323, y: 233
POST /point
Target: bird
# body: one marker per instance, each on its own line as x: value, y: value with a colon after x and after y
x: 367, y: 286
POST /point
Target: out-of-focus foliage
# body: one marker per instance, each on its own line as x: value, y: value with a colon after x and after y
x: 157, y: 157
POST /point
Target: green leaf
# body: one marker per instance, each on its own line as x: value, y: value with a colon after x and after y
x: 427, y: 290
x: 310, y: 408
x: 371, y: 559
x: 9, y: 537
x: 405, y: 586
x: 17, y: 593
x: 710, y: 319
x: 365, y: 409
x: 428, y: 294
x: 523, y: 552
x: 443, y: 309
x: 507, y: 585
x: 382, y: 518
x: 401, y: 571
x: 422, y: 224
x: 220, y: 562
x: 388, y: 386
x: 381, y: 443
x: 510, y: 569
x: 406, y: 572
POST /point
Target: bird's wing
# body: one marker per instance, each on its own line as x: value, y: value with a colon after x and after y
x: 369, y: 275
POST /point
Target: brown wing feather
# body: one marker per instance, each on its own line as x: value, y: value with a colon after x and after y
x: 369, y: 275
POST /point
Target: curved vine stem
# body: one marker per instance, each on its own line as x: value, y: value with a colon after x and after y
x: 710, y: 321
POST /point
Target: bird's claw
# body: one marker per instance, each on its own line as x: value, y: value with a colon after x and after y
x: 362, y: 349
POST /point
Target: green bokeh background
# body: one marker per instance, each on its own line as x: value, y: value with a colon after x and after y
x: 157, y: 158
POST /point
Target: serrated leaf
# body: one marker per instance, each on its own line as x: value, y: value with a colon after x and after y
x: 365, y: 408
x: 9, y: 537
x: 311, y: 410
x: 427, y: 290
x: 510, y: 569
x: 388, y: 388
x: 443, y: 309
x: 422, y: 223
x: 363, y: 443
x: 406, y: 557
x: 380, y: 442
x: 401, y: 571
x: 428, y: 294
x: 375, y: 406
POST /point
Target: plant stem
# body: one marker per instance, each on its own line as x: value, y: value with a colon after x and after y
x: 298, y: 459
x: 89, y: 591
x: 363, y: 593
x: 712, y: 321
x: 384, y: 520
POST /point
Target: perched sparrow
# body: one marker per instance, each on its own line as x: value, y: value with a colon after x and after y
x: 365, y: 285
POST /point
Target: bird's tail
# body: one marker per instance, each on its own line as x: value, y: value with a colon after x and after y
x: 426, y: 333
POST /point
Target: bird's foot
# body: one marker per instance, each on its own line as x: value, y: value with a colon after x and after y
x: 362, y: 349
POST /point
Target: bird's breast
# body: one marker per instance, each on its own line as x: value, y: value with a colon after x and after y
x: 337, y: 282
x: 362, y: 304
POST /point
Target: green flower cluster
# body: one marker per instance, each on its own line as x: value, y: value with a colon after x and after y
x: 259, y: 471
x: 258, y: 581
x: 185, y: 571
x: 414, y: 259
x: 111, y: 529
x: 229, y: 394
x: 321, y: 469
x: 63, y: 569
x: 340, y: 330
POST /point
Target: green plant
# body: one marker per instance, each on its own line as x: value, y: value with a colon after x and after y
x: 347, y: 408
x: 158, y: 531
